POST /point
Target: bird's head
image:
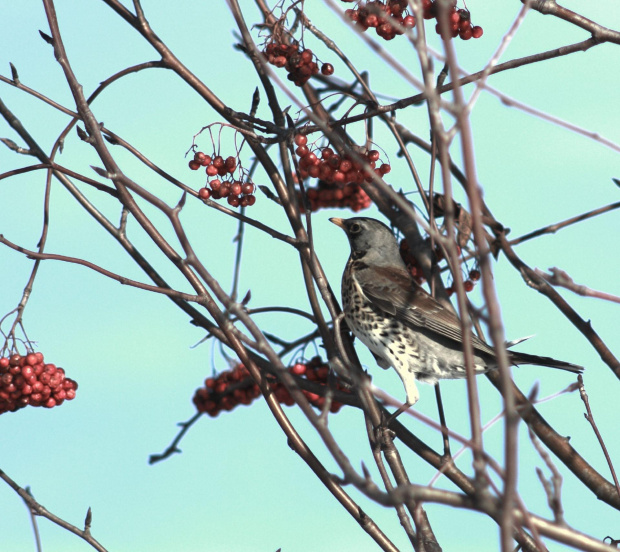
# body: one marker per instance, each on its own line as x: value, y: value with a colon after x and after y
x: 370, y: 240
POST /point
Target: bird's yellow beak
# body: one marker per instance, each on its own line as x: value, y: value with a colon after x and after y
x: 338, y: 222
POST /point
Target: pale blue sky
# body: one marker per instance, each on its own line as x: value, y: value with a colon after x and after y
x: 237, y: 485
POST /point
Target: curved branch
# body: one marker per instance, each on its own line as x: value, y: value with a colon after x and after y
x: 40, y: 510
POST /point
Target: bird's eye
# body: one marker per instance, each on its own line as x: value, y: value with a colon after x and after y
x: 355, y: 228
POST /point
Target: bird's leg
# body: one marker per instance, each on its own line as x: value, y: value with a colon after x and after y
x: 442, y: 419
x: 397, y: 413
x: 412, y: 395
x: 411, y: 389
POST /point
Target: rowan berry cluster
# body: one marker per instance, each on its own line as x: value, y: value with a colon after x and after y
x: 468, y: 284
x: 411, y: 263
x: 389, y: 18
x: 27, y: 380
x: 313, y: 370
x: 339, y: 176
x: 237, y: 191
x: 298, y: 62
x: 459, y: 19
x: 418, y: 275
x: 234, y: 387
x: 351, y: 196
x: 226, y: 391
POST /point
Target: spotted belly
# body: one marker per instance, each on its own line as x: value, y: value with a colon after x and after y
x: 410, y: 353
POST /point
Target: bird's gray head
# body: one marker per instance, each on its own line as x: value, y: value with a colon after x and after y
x: 370, y: 240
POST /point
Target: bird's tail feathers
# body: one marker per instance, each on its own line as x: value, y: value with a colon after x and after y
x: 524, y: 358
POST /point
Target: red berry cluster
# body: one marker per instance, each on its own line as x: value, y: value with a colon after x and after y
x: 299, y: 63
x: 234, y: 387
x: 412, y: 264
x: 229, y: 389
x: 26, y: 380
x: 352, y: 196
x: 339, y: 175
x: 468, y: 284
x: 459, y: 19
x: 389, y: 18
x: 313, y: 370
x: 237, y: 192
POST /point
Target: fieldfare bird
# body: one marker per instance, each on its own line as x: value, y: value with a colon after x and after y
x: 403, y: 325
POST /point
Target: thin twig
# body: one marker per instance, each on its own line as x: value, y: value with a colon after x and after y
x: 560, y: 278
x: 590, y: 418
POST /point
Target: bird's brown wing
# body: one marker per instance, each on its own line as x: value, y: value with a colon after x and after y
x: 394, y: 292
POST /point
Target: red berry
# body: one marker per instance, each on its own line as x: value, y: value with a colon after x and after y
x: 385, y: 168
x: 476, y: 31
x: 233, y: 200
x: 468, y: 285
x: 211, y: 170
x: 464, y: 14
x: 464, y: 25
x: 202, y: 158
x: 251, y: 199
x: 218, y: 161
x: 300, y: 139
x: 60, y: 395
x: 247, y: 188
x: 474, y: 275
x: 373, y: 155
x: 298, y: 369
x: 204, y: 193
x: 50, y: 369
x: 409, y: 22
x: 230, y: 163
x: 429, y: 9
x: 312, y: 397
x: 27, y: 371
x: 339, y: 177
x: 235, y: 189
x: 306, y: 56
x: 302, y: 151
x: 313, y: 171
x: 466, y: 34
x: 327, y: 69
x: 279, y: 61
x: 372, y: 20
x: 311, y: 158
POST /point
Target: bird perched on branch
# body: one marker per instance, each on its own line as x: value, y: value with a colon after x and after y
x: 403, y: 325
